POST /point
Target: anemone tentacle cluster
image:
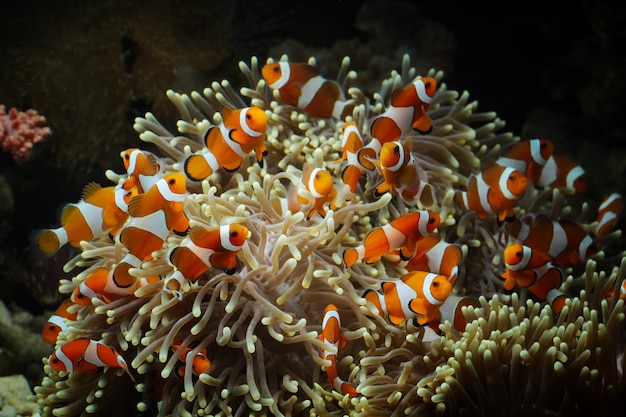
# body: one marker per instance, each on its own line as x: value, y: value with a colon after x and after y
x: 260, y: 326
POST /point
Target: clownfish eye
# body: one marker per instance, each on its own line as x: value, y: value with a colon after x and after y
x: 427, y: 84
x: 431, y: 220
x: 248, y: 116
x: 511, y: 177
x: 435, y: 284
x: 276, y: 68
x: 54, y: 361
x: 172, y: 181
x: 396, y: 149
x: 518, y: 254
x: 233, y: 234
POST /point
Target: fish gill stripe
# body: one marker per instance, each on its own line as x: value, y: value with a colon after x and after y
x: 400, y: 162
x: 245, y: 126
x: 535, y: 152
x: 132, y: 164
x: 86, y: 291
x: 225, y: 239
x: 58, y: 321
x: 311, y: 184
x: 309, y: 90
x: 420, y: 88
x: 285, y: 73
x: 422, y: 223
x: 523, y: 263
x: 502, y: 183
x: 573, y: 175
x: 167, y: 193
x: 67, y: 362
x: 119, y: 194
x: 428, y: 281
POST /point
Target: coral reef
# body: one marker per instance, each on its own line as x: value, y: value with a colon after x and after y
x: 19, y: 131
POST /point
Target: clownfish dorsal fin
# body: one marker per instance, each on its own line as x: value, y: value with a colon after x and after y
x: 226, y: 111
x: 90, y: 189
x: 487, y: 164
x: 195, y: 234
x: 153, y: 163
x: 134, y: 205
x: 394, y: 95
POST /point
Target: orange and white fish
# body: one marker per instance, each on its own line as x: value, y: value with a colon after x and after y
x: 199, y: 361
x: 152, y: 216
x: 621, y: 289
x: 142, y: 168
x: 56, y: 322
x: 240, y: 132
x: 401, y: 233
x: 417, y: 295
x: 608, y: 214
x: 563, y: 172
x: 407, y: 109
x: 320, y: 184
x: 86, y: 355
x: 101, y: 285
x: 496, y: 189
x: 528, y: 268
x: 529, y: 157
x: 100, y: 210
x: 301, y: 85
x: 351, y: 143
x: 332, y: 336
x: 206, y: 247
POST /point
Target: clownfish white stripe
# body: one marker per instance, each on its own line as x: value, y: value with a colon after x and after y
x: 285, y: 73
x: 428, y: 281
x: 225, y: 238
x: 559, y: 239
x: 502, y: 183
x: 311, y: 185
x: 553, y: 294
x: 517, y: 164
x: 167, y: 194
x: 483, y: 192
x: 583, y: 248
x: 86, y: 291
x: 244, y: 124
x: 402, y: 116
x: 347, y: 131
x: 132, y: 260
x: 67, y: 362
x: 535, y: 152
x: 154, y: 223
x: 549, y: 173
x: 202, y: 253
x: 330, y: 314
x: 394, y: 235
x: 526, y: 254
x: 405, y: 294
x: 575, y: 173
x: 401, y: 157
x: 308, y: 91
x: 211, y: 160
x: 609, y: 200
x: 92, y: 215
x: 421, y: 91
x: 132, y: 162
x: 61, y: 235
x: 91, y: 354
x: 119, y: 194
x: 58, y: 321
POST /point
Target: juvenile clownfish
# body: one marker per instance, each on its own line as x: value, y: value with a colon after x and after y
x: 622, y: 291
x: 142, y: 168
x: 563, y: 172
x: 152, y: 216
x: 528, y: 268
x: 240, y: 132
x: 608, y: 214
x: 417, y: 295
x: 301, y: 85
x: 351, y: 143
x: 101, y: 285
x: 407, y: 109
x: 496, y: 189
x: 101, y: 209
x: 528, y: 157
x: 332, y: 336
x: 320, y: 184
x: 564, y: 240
x: 399, y: 170
x: 216, y: 247
x: 199, y: 361
x: 401, y: 233
x: 56, y: 322
x: 86, y: 355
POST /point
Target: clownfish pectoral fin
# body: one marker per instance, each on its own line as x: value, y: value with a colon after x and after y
x: 350, y: 256
x: 226, y: 261
x: 417, y: 306
x: 509, y: 281
x: 396, y: 319
x: 423, y: 125
x: 293, y: 91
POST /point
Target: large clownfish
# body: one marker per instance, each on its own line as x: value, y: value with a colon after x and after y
x: 86, y: 355
x: 240, y: 132
x: 401, y: 233
x: 529, y: 157
x: 563, y: 172
x: 56, y: 322
x: 320, y: 185
x: 142, y: 168
x: 496, y: 189
x: 331, y: 335
x: 417, y: 295
x: 301, y: 85
x: 101, y: 209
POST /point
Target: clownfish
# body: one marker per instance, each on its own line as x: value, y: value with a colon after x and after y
x: 496, y: 189
x: 142, y: 169
x: 528, y: 157
x: 608, y: 214
x: 351, y: 143
x: 528, y: 268
x: 401, y: 233
x: 301, y: 85
x: 206, y: 247
x: 86, y: 355
x: 417, y: 295
x: 563, y: 172
x: 152, y: 216
x: 332, y: 336
x: 56, y: 322
x: 101, y: 285
x: 622, y: 291
x: 199, y: 361
x: 320, y: 184
x: 240, y: 132
x: 407, y: 109
x: 564, y: 240
x: 101, y: 209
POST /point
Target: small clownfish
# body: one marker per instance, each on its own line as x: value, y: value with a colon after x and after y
x: 528, y: 157
x: 331, y: 335
x: 199, y: 361
x: 100, y: 284
x: 240, y: 132
x: 301, y: 85
x: 351, y: 143
x: 152, y: 216
x: 608, y: 214
x: 496, y: 189
x: 56, y: 322
x: 401, y: 233
x: 564, y: 240
x: 101, y: 209
x: 407, y: 109
x: 205, y: 247
x: 528, y: 268
x: 86, y: 355
x: 417, y: 295
x: 398, y: 167
x: 320, y: 184
x: 563, y: 172
x: 142, y: 168
x: 622, y: 291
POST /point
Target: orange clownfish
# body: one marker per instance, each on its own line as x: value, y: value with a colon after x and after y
x: 199, y: 361
x: 610, y: 209
x: 86, y: 355
x: 401, y: 233
x: 351, y: 143
x: 416, y: 295
x: 622, y: 291
x: 56, y: 322
x: 100, y: 284
x: 152, y: 216
x: 205, y: 247
x: 528, y: 268
x: 331, y: 335
x: 563, y: 172
x: 528, y: 157
x: 240, y: 132
x: 320, y: 184
x: 101, y: 209
x: 142, y: 169
x: 494, y: 190
x: 301, y: 85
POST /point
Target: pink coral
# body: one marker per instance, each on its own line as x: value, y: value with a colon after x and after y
x: 19, y: 131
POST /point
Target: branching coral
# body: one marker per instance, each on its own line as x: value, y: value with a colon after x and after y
x: 260, y: 325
